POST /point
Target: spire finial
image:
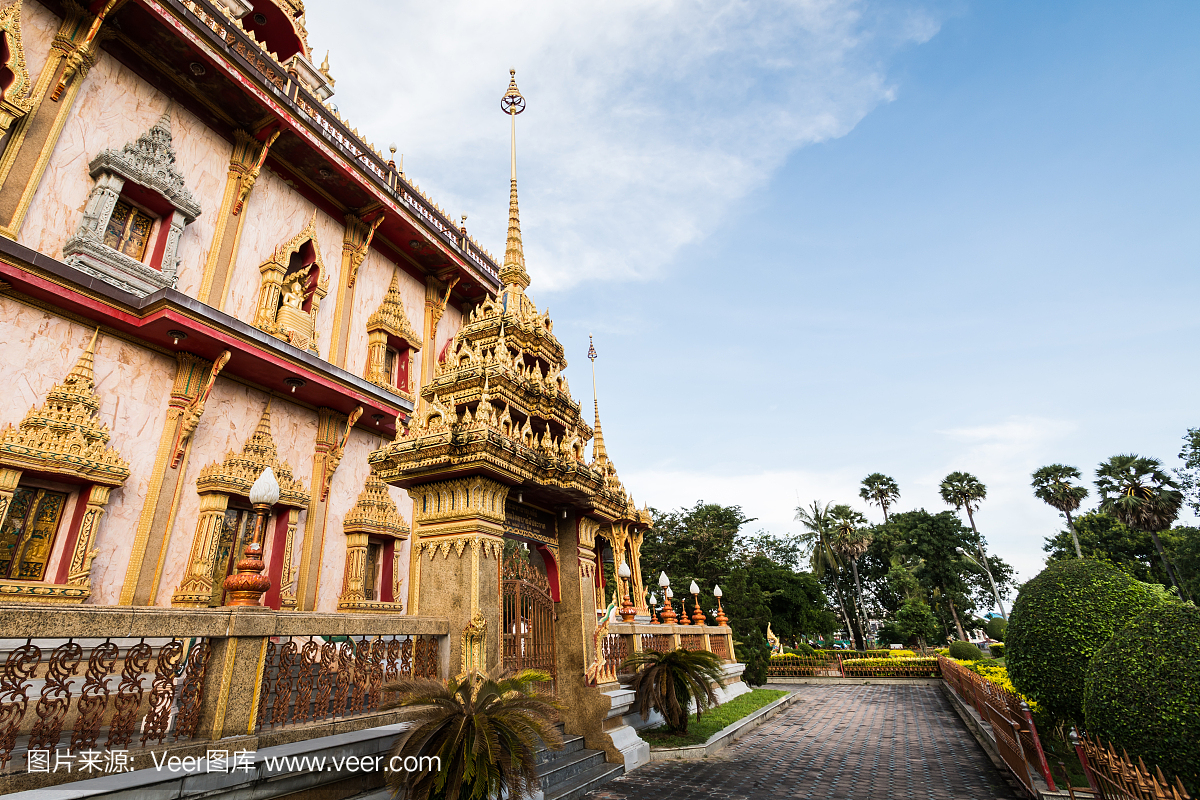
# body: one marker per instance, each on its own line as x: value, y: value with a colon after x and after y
x: 513, y: 271
x: 598, y: 451
x: 83, y: 369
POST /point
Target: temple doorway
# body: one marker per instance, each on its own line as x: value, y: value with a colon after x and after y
x: 528, y: 610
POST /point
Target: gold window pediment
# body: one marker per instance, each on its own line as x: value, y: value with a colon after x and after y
x: 14, y: 93
x: 238, y: 472
x: 294, y: 282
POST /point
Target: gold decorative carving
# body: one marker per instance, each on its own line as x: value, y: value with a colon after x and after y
x: 81, y: 58
x: 445, y: 545
x: 251, y: 176
x: 190, y: 414
x: 287, y: 287
x: 15, y: 101
x: 63, y: 436
x: 462, y: 498
x: 216, y: 483
x: 389, y: 322
x: 287, y: 584
x: 357, y: 242
x: 374, y: 513
x: 474, y: 645
x: 332, y: 458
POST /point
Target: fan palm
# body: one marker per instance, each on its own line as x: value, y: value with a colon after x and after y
x: 484, y: 729
x: 850, y: 541
x: 1053, y: 485
x: 1140, y: 494
x: 668, y: 682
x: 881, y: 490
x: 964, y: 490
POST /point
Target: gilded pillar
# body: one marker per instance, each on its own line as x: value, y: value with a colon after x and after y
x: 635, y: 566
x: 437, y: 295
x: 356, y: 568
x: 197, y: 587
x: 9, y: 478
x: 34, y: 137
x: 249, y: 154
x: 194, y: 381
x: 457, y: 546
x: 287, y: 580
x: 80, y: 573
x: 355, y: 244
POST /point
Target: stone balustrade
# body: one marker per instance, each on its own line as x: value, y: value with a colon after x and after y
x: 171, y: 682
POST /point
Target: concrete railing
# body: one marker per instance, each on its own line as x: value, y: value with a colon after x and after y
x: 132, y: 683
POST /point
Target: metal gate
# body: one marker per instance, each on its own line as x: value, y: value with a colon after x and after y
x: 528, y: 616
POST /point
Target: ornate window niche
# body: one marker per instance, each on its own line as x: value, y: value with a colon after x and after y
x: 374, y: 530
x: 61, y: 442
x: 135, y: 215
x: 293, y: 284
x: 15, y: 102
x: 224, y: 520
x: 391, y: 344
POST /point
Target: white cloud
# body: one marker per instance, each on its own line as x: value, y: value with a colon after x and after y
x: 646, y: 121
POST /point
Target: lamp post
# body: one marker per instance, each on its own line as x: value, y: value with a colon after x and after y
x: 697, y: 615
x: 247, y: 586
x: 721, y: 618
x: 627, y: 612
x: 991, y: 580
x: 653, y: 605
x: 667, y: 615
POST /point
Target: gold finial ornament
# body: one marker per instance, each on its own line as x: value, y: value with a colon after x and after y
x: 513, y: 272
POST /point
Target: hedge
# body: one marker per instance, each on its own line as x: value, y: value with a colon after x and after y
x: 965, y: 651
x: 1143, y: 691
x: 996, y: 649
x: 1060, y: 619
x: 891, y: 668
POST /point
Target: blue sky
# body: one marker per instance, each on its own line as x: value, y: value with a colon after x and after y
x: 818, y: 240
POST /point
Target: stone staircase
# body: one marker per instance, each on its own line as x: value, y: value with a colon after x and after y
x: 572, y: 772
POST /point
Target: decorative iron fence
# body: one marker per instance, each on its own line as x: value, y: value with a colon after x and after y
x: 1009, y: 717
x: 719, y: 646
x: 890, y: 668
x: 1113, y: 776
x: 657, y: 642
x: 691, y: 641
x: 159, y: 686
x: 312, y: 678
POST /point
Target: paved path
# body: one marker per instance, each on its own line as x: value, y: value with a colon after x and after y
x: 853, y: 742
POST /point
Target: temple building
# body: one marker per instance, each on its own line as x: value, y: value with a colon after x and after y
x: 276, y: 428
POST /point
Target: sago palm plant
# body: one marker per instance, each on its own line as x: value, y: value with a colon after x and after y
x: 668, y: 682
x: 485, y: 730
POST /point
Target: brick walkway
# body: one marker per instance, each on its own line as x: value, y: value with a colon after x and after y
x: 853, y: 742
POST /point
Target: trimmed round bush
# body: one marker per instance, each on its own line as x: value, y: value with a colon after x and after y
x: 803, y: 649
x: 965, y: 651
x: 996, y: 649
x: 996, y: 627
x: 1143, y: 691
x: 1060, y: 619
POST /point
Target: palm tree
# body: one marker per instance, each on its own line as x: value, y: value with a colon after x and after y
x: 1053, y: 485
x: 851, y: 540
x: 1140, y: 494
x: 964, y: 490
x: 880, y: 490
x: 483, y: 728
x: 818, y: 536
x: 668, y: 682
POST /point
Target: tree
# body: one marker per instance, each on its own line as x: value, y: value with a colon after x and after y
x: 1104, y: 537
x: 1138, y: 492
x: 1189, y: 475
x: 880, y: 490
x: 818, y: 537
x: 485, y: 731
x: 914, y: 620
x: 964, y: 490
x: 930, y: 542
x: 668, y: 682
x: 851, y: 540
x: 1053, y: 486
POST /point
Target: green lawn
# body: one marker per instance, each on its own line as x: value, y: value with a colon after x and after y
x: 714, y: 719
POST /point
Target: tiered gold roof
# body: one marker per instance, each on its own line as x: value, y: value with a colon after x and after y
x: 63, y: 435
x: 238, y: 472
x: 375, y: 512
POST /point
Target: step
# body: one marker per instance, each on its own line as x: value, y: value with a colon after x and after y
x: 585, y: 782
x: 571, y: 744
x: 560, y: 771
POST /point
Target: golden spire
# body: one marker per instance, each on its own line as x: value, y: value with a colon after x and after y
x: 599, y: 454
x: 82, y: 372
x: 513, y: 271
